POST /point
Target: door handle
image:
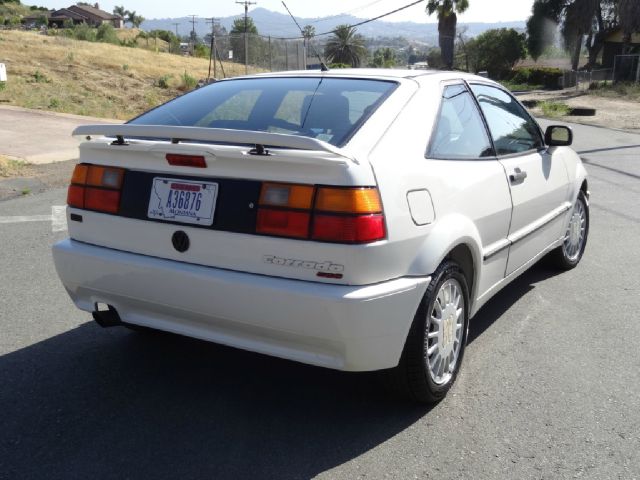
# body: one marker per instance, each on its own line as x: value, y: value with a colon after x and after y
x: 517, y: 176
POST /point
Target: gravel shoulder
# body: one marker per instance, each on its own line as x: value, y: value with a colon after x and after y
x: 614, y: 113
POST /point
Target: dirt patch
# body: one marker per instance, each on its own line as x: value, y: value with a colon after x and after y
x: 614, y: 113
x: 26, y: 179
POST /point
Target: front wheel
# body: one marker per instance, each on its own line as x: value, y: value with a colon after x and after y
x: 435, y: 345
x: 568, y: 255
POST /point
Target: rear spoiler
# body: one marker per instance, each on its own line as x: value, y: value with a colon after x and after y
x: 242, y: 137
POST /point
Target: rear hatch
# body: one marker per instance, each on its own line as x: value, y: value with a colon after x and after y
x: 233, y: 184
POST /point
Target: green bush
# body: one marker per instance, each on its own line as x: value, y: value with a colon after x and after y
x: 548, y: 77
x: 188, y: 82
x: 83, y: 32
x: 163, y: 81
x: 107, y: 34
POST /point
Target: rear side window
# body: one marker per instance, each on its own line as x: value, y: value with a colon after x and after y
x: 459, y: 132
x: 512, y: 129
x: 329, y: 109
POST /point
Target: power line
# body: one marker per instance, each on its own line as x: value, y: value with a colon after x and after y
x: 348, y: 12
x: 409, y: 5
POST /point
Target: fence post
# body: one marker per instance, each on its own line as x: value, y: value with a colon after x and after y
x: 270, y: 58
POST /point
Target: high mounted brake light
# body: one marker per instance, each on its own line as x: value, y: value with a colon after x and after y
x: 179, y: 160
x: 94, y: 187
x: 326, y: 214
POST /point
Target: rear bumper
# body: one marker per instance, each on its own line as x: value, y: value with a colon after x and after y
x: 354, y: 328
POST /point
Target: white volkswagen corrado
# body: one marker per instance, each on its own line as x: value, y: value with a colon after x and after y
x: 352, y: 219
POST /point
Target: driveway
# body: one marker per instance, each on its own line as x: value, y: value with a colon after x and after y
x: 40, y: 137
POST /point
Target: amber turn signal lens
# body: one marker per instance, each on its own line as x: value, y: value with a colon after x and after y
x: 286, y: 195
x: 348, y: 200
x: 79, y: 176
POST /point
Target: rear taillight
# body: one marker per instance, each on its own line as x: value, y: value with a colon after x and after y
x: 327, y: 214
x: 94, y: 187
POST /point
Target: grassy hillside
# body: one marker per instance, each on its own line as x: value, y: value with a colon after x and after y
x: 95, y: 79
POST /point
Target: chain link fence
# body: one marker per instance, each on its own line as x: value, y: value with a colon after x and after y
x: 260, y: 53
x: 626, y: 68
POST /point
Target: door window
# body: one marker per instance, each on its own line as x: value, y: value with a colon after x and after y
x: 511, y: 127
x: 460, y: 132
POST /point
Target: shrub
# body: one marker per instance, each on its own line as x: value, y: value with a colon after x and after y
x: 39, y: 77
x: 163, y: 81
x: 548, y: 77
x: 84, y: 32
x: 188, y: 82
x: 107, y: 34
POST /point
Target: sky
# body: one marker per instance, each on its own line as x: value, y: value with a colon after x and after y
x: 479, y: 10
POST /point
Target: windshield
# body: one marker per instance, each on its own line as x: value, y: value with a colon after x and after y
x: 329, y: 109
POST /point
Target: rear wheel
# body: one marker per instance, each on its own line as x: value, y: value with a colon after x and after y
x: 568, y: 255
x: 435, y: 346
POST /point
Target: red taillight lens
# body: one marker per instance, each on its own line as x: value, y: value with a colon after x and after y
x: 75, y: 196
x: 348, y: 229
x: 283, y: 223
x: 102, y: 200
x: 96, y: 187
x: 178, y: 160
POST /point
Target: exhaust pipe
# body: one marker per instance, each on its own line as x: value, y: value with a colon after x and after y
x: 107, y: 318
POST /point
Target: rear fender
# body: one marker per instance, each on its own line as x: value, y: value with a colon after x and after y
x: 446, y: 234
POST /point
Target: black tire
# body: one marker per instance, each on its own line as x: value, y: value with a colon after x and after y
x: 560, y: 257
x: 412, y: 378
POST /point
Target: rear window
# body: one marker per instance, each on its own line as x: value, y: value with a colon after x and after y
x: 329, y: 109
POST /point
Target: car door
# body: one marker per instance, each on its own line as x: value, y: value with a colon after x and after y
x: 538, y: 182
x: 462, y: 160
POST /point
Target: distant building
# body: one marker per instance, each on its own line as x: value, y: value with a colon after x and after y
x: 78, y: 14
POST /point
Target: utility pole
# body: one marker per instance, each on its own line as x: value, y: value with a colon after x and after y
x: 192, y: 40
x: 246, y: 4
x: 177, y: 36
x: 214, y: 23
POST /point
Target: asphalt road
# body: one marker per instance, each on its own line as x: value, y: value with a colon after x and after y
x: 550, y: 387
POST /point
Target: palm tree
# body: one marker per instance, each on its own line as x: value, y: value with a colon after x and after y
x: 120, y: 11
x: 629, y: 15
x: 447, y: 20
x: 345, y: 46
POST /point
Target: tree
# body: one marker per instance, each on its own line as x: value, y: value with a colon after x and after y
x: 308, y: 32
x: 629, y: 13
x: 134, y: 19
x: 497, y: 51
x: 447, y: 11
x: 594, y: 18
x: 345, y: 46
x: 254, y: 42
x: 121, y: 11
x: 578, y: 22
x: 383, y: 58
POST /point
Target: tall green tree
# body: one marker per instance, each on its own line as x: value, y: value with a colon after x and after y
x: 383, y: 58
x: 497, y: 51
x: 579, y: 17
x: 345, y: 46
x: 254, y: 42
x: 629, y: 14
x: 447, y: 11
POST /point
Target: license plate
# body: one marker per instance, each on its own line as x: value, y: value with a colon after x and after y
x: 184, y: 201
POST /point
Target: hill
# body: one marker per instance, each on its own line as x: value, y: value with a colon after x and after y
x: 96, y: 79
x: 280, y: 25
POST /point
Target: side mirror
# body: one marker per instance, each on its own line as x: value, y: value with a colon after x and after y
x: 558, y: 136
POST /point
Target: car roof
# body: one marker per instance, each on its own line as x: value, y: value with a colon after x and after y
x: 377, y: 73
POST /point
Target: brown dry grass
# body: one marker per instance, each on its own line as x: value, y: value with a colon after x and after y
x: 94, y: 79
x: 11, y: 167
